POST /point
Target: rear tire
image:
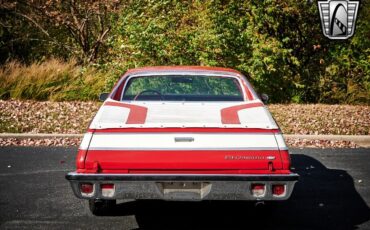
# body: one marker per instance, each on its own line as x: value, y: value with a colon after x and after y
x: 102, y: 207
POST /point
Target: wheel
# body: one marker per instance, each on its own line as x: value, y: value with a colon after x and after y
x: 101, y: 207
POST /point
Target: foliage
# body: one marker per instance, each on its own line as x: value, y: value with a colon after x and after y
x: 77, y: 27
x: 278, y: 44
x: 51, y: 80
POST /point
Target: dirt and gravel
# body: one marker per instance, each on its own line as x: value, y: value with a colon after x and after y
x: 45, y: 117
x: 317, y: 119
x: 73, y: 117
x: 39, y: 141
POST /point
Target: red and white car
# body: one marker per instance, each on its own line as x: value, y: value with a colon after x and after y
x: 182, y: 133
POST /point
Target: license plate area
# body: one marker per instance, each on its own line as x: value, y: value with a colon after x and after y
x: 184, y: 190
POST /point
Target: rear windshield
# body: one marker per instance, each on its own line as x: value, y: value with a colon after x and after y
x: 183, y: 88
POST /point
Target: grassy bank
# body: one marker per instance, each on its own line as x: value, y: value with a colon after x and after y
x: 73, y: 117
x: 53, y: 80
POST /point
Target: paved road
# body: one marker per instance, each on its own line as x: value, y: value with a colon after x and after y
x: 333, y: 193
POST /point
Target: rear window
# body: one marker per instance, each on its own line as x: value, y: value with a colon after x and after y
x: 183, y: 88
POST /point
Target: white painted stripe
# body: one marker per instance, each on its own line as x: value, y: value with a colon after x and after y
x: 167, y: 141
x: 85, y: 141
x: 256, y: 115
x: 114, y: 114
x: 281, y: 142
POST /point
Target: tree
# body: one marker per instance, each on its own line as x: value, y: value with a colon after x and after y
x: 79, y: 26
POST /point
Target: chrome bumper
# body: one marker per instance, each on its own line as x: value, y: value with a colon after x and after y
x: 182, y: 186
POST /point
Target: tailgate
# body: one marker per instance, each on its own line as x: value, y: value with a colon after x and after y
x: 183, y: 152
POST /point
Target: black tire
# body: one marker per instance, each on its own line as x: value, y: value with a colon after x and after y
x: 102, y: 207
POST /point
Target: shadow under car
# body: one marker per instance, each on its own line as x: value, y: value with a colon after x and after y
x: 322, y: 199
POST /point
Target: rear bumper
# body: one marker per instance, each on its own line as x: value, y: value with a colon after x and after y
x: 183, y: 186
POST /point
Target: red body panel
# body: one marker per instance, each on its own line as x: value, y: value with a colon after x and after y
x: 183, y: 161
x: 80, y: 160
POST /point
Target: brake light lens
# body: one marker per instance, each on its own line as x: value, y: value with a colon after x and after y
x: 258, y: 190
x: 87, y: 189
x: 107, y: 190
x: 278, y: 190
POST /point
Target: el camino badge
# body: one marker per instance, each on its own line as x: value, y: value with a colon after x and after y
x: 239, y: 157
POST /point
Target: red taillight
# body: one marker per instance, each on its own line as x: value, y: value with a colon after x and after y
x: 86, y: 188
x: 107, y: 190
x: 278, y: 189
x: 258, y: 190
x: 107, y: 186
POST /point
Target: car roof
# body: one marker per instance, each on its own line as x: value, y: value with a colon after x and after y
x: 183, y: 69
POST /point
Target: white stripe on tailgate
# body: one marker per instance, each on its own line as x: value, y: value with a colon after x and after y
x: 256, y: 115
x: 281, y: 142
x: 139, y: 141
x: 112, y: 115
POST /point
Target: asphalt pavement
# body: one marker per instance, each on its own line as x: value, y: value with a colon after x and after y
x: 333, y: 193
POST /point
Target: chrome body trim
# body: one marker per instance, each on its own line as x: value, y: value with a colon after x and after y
x: 184, y: 139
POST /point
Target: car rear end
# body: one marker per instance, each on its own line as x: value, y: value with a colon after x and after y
x: 183, y: 164
x: 183, y: 147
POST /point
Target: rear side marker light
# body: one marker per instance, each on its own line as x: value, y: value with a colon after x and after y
x: 87, y: 189
x: 278, y: 190
x: 107, y: 190
x: 258, y: 190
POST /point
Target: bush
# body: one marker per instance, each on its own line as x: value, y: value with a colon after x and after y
x: 278, y: 44
x: 51, y: 80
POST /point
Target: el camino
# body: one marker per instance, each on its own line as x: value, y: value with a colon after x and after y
x: 182, y: 133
